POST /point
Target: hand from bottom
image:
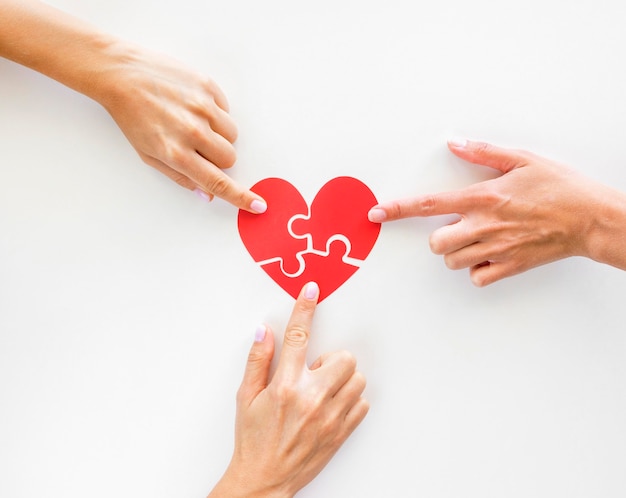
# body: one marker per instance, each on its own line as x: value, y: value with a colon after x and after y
x: 287, y: 429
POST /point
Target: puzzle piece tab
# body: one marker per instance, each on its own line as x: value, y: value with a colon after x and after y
x: 340, y: 208
x: 327, y: 268
x: 266, y: 236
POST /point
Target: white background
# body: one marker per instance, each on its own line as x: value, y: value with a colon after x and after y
x: 127, y: 305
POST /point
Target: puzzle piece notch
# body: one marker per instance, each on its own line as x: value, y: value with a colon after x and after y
x: 300, y: 256
x: 267, y: 236
x: 339, y: 208
x: 329, y: 268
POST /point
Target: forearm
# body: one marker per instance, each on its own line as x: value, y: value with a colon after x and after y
x: 57, y: 44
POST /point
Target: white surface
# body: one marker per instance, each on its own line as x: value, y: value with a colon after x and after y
x: 127, y: 306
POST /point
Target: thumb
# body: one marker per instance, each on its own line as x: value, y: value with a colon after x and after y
x: 256, y: 375
x: 486, y: 154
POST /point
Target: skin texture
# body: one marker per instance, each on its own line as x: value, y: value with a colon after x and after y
x: 288, y: 428
x: 176, y: 119
x: 537, y: 212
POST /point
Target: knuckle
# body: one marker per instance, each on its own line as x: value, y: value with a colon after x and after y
x: 172, y: 153
x: 210, y: 86
x: 360, y: 379
x: 347, y: 359
x: 428, y: 204
x: 255, y: 356
x: 330, y: 428
x: 365, y: 404
x: 394, y: 210
x: 491, y: 197
x: 362, y: 407
x: 229, y: 157
x: 218, y: 185
x: 451, y: 262
x: 297, y: 335
x: 241, y: 395
x: 195, y: 132
x: 233, y: 134
x: 435, y: 244
x: 478, y: 280
x: 481, y: 148
x: 283, y: 393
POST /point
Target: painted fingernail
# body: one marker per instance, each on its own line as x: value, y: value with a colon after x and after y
x: 258, y: 206
x: 311, y: 290
x: 259, y: 333
x: 376, y: 215
x: 203, y: 195
x: 458, y: 143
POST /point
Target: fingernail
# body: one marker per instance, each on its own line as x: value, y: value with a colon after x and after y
x: 259, y: 333
x: 258, y: 206
x: 458, y: 143
x: 203, y: 195
x: 376, y: 215
x: 311, y: 290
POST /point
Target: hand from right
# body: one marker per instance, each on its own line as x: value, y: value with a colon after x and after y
x: 538, y: 211
x: 288, y: 429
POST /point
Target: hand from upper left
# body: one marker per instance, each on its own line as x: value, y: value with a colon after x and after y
x: 176, y: 120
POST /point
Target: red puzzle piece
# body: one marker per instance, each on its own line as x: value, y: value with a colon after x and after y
x: 327, y: 269
x: 341, y: 207
x: 266, y: 235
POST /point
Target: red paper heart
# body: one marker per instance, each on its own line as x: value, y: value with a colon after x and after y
x: 295, y: 245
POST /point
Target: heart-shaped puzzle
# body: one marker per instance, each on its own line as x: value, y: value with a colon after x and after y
x: 326, y: 243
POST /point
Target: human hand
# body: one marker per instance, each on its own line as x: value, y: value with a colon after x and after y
x: 176, y: 120
x: 287, y: 429
x: 538, y: 211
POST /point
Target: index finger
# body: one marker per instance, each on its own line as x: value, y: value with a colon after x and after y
x: 293, y: 355
x: 213, y: 180
x: 454, y: 202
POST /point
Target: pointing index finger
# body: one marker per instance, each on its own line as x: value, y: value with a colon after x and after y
x: 454, y: 202
x: 214, y: 181
x: 296, y: 340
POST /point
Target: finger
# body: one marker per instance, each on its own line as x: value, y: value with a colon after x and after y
x: 486, y: 154
x: 355, y: 415
x: 256, y: 375
x: 213, y: 147
x: 220, y: 98
x: 336, y: 369
x: 351, y: 391
x: 293, y: 355
x: 487, y: 273
x: 471, y: 256
x: 171, y: 173
x: 426, y: 205
x: 450, y: 238
x: 207, y: 110
x: 178, y: 177
x: 212, y: 180
x: 223, y: 124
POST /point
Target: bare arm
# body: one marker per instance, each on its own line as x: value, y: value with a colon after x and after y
x: 176, y: 120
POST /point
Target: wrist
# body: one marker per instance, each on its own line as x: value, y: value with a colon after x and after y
x: 234, y: 484
x: 606, y: 242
